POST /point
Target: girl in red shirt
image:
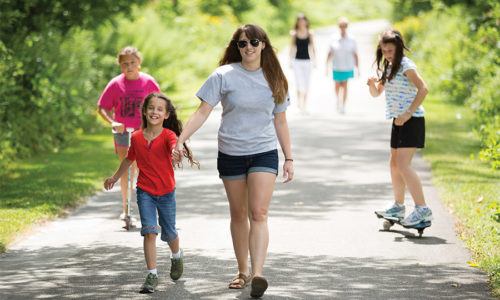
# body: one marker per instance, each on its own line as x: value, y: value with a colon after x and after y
x: 152, y: 147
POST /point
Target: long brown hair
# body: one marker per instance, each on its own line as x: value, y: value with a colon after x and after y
x: 268, y: 60
x: 173, y: 123
x: 301, y: 16
x: 390, y: 37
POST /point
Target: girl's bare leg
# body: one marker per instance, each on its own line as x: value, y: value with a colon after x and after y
x: 410, y: 177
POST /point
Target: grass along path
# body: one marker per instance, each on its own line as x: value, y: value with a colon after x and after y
x: 44, y: 187
x: 469, y: 187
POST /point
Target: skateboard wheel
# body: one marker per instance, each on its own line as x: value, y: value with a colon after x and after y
x: 387, y: 225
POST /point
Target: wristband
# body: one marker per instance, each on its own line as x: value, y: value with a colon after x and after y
x: 288, y: 159
x: 409, y: 111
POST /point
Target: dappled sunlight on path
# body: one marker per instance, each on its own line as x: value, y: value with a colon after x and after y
x: 325, y: 241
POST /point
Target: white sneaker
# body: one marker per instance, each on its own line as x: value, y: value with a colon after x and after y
x: 418, y: 215
x: 395, y: 211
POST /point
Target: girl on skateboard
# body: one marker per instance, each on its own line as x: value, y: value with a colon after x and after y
x: 405, y: 91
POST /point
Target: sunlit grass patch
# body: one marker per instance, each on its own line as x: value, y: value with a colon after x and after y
x: 41, y: 188
x: 470, y: 187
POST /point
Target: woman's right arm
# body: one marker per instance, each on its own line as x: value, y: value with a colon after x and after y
x: 194, y: 123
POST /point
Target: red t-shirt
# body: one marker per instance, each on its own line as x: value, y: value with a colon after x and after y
x: 156, y: 172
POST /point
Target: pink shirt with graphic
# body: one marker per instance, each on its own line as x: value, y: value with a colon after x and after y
x: 125, y: 97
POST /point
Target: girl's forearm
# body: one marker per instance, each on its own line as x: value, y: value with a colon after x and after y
x: 105, y: 115
x: 374, y: 91
x: 125, y: 164
x: 422, y: 90
x: 419, y: 98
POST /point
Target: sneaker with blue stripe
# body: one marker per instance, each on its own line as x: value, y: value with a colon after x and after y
x: 418, y: 215
x: 395, y: 211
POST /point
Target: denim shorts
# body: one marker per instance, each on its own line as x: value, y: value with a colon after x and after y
x: 157, y: 208
x: 238, y: 167
x: 121, y: 139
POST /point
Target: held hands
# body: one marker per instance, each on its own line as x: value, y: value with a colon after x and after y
x: 118, y: 127
x: 110, y: 182
x: 178, y: 153
x: 288, y: 171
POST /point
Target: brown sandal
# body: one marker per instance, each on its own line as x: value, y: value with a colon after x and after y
x: 240, y: 281
x: 259, y: 286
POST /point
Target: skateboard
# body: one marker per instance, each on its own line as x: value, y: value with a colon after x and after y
x: 390, y: 221
x: 129, y: 221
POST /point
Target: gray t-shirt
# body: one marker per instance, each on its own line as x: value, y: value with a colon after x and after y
x: 248, y: 109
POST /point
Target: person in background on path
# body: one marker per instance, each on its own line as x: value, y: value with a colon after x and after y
x: 405, y: 91
x: 253, y: 91
x: 302, y: 58
x: 120, y: 105
x: 153, y: 147
x: 343, y: 56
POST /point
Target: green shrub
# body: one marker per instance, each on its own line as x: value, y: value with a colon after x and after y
x: 48, y: 71
x: 46, y: 91
x: 463, y: 70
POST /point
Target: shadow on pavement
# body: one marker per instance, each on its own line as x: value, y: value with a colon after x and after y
x: 117, y: 272
x: 414, y: 238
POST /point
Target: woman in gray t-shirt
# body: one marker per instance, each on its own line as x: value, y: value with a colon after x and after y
x: 253, y: 91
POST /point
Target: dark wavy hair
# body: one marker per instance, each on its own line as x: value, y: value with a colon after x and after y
x: 390, y: 37
x: 173, y: 123
x: 268, y: 60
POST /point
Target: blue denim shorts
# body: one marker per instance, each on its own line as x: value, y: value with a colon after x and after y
x: 121, y: 139
x: 238, y: 167
x: 157, y: 208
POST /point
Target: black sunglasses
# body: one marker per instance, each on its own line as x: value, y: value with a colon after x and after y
x: 242, y: 44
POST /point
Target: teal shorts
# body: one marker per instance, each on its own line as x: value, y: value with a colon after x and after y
x: 343, y: 75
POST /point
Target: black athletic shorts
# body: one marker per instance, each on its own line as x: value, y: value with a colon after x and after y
x: 410, y: 135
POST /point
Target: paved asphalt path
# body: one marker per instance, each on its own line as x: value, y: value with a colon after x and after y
x: 325, y: 241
